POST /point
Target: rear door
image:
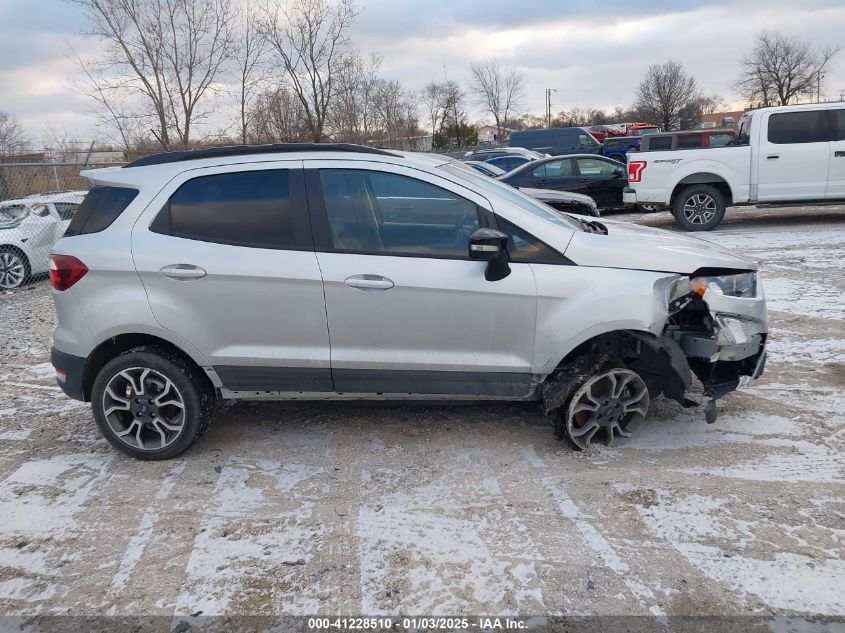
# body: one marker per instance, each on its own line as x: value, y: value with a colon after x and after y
x: 794, y: 156
x: 228, y: 263
x: 556, y: 174
x: 836, y: 178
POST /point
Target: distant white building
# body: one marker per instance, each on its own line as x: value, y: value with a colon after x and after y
x: 490, y: 134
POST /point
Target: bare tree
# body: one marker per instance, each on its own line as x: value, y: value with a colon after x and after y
x: 161, y: 61
x: 665, y: 93
x: 351, y: 115
x: 12, y: 137
x: 310, y: 39
x: 708, y: 104
x: 395, y: 108
x: 781, y: 68
x: 277, y: 116
x: 432, y: 98
x: 497, y: 88
x: 249, y: 54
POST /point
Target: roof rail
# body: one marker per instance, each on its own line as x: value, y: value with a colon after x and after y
x: 239, y: 150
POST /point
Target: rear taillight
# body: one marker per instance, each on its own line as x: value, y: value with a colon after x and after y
x: 635, y: 170
x: 65, y: 270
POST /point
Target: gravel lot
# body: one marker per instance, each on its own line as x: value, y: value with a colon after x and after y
x: 303, y: 508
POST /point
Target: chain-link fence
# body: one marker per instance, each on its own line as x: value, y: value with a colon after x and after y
x: 37, y: 202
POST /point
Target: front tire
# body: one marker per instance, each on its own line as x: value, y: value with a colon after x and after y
x: 699, y: 208
x: 606, y: 408
x: 151, y: 403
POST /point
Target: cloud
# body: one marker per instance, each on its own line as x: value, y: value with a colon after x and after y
x: 593, y: 54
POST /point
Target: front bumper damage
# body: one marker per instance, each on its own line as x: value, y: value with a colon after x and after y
x: 719, y: 339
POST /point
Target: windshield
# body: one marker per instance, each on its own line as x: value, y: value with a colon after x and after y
x: 511, y: 194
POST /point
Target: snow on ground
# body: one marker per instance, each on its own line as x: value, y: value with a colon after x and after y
x: 299, y: 508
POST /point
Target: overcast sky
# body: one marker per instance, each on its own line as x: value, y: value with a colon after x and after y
x: 592, y: 53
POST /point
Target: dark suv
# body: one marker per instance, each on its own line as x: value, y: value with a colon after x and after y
x: 557, y: 141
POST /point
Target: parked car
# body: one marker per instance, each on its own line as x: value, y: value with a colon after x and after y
x: 566, y: 201
x: 487, y: 169
x: 28, y: 229
x: 687, y: 139
x: 556, y: 141
x: 782, y: 155
x: 487, y: 154
x: 560, y: 200
x: 596, y: 176
x: 509, y: 163
x: 193, y: 276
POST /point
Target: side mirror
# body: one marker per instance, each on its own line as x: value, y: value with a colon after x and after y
x: 491, y: 246
x: 41, y: 210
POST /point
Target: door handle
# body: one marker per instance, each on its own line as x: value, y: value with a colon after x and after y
x: 839, y: 154
x: 183, y: 272
x: 772, y: 156
x: 368, y: 282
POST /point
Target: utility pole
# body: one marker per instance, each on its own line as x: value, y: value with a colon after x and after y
x: 549, y: 92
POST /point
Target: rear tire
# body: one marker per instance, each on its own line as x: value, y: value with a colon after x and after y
x: 14, y: 268
x: 151, y: 403
x: 699, y: 208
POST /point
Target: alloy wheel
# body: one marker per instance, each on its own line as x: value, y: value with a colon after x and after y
x: 608, y: 406
x: 12, y: 270
x: 699, y: 208
x: 143, y: 408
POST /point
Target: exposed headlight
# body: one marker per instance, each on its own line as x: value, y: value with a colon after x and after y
x: 739, y: 285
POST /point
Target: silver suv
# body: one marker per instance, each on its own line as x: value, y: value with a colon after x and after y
x: 345, y: 272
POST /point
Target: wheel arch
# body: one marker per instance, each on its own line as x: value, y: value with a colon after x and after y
x: 703, y: 178
x: 659, y: 360
x: 115, y: 345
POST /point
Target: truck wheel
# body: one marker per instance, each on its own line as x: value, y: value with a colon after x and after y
x: 699, y: 208
x: 151, y: 404
x: 606, y: 408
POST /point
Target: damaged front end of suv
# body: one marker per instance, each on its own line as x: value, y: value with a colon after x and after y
x: 710, y: 325
x: 717, y: 318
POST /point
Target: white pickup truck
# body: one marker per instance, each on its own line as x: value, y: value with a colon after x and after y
x: 782, y: 155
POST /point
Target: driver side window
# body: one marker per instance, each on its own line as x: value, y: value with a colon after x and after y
x: 383, y: 213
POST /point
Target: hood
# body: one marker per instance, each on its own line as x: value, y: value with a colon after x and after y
x: 561, y: 196
x: 644, y: 248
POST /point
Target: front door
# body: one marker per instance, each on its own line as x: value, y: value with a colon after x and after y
x: 602, y: 180
x: 836, y: 178
x: 793, y: 156
x: 228, y: 264
x: 408, y: 311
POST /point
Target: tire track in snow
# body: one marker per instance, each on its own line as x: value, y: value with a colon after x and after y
x: 138, y: 542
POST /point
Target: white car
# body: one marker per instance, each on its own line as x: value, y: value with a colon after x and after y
x: 28, y: 229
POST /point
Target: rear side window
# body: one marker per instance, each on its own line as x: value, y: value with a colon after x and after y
x: 99, y: 209
x: 247, y: 208
x: 659, y: 142
x: 553, y: 169
x: 796, y: 127
x: 689, y: 141
x: 840, y: 123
